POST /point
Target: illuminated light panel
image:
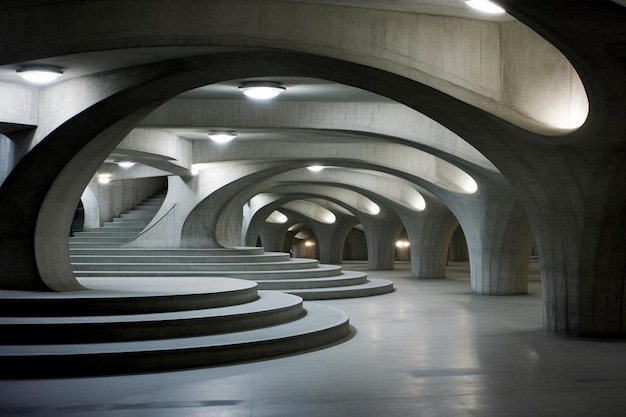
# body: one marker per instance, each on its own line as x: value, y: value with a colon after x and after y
x: 315, y: 168
x: 276, y: 218
x: 469, y: 185
x: 126, y: 164
x: 222, y: 137
x: 485, y: 6
x: 39, y: 74
x: 261, y: 90
x: 104, y: 178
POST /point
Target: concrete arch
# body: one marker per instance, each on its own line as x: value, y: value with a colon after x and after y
x: 91, y: 209
x: 380, y: 230
x: 430, y: 230
x: 451, y: 54
x: 585, y: 187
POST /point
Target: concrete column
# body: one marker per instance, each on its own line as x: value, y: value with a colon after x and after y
x: 381, y: 232
x: 331, y: 238
x: 499, y: 240
x: 273, y: 237
x: 429, y: 233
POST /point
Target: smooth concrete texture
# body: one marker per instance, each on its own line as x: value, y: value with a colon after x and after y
x: 429, y: 349
x: 515, y: 97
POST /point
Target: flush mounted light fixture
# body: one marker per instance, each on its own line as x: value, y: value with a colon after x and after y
x: 104, y: 178
x: 125, y: 164
x: 39, y: 74
x: 261, y: 90
x: 315, y: 168
x: 222, y: 136
x: 485, y: 6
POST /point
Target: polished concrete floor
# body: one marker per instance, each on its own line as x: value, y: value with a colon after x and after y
x: 431, y: 348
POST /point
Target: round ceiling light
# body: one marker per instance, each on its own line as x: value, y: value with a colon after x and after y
x: 39, y: 74
x: 125, y: 164
x: 222, y: 137
x: 485, y: 6
x: 104, y: 178
x: 315, y: 168
x: 261, y: 90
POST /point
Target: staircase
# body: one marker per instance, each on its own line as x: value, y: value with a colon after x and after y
x: 121, y: 229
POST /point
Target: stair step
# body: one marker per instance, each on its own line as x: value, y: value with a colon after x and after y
x: 347, y: 278
x: 321, y: 326
x: 271, y: 308
x: 107, y: 258
x: 120, y: 296
x: 320, y: 271
x: 374, y: 286
x: 195, y: 266
x: 217, y: 252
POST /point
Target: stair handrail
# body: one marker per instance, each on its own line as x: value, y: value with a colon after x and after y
x: 151, y: 226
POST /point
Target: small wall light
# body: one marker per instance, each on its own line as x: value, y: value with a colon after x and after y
x: 39, y: 74
x: 261, y: 90
x: 402, y: 244
x: 222, y: 137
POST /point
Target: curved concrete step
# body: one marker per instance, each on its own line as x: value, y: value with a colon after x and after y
x: 294, y: 264
x: 121, y: 296
x: 210, y: 252
x: 372, y: 287
x: 271, y: 308
x: 90, y: 238
x: 123, y: 257
x: 318, y: 272
x: 122, y: 233
x: 321, y: 326
x: 346, y: 278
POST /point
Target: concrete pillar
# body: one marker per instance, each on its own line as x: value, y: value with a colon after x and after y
x: 381, y: 232
x: 273, y: 237
x: 331, y: 237
x: 499, y: 240
x: 429, y: 233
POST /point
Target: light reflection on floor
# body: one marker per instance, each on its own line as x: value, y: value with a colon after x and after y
x: 431, y: 348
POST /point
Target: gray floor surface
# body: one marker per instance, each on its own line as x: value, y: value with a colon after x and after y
x: 431, y: 348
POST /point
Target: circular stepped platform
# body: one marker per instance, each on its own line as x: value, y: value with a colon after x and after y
x: 372, y: 287
x: 103, y: 257
x: 214, y: 252
x: 225, y: 267
x: 271, y: 270
x: 257, y: 275
x: 144, y: 325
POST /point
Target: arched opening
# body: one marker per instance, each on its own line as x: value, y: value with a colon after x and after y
x: 457, y: 251
x: 355, y: 246
x: 79, y: 219
x: 305, y: 245
x: 403, y: 247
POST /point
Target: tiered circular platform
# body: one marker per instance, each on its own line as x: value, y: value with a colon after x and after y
x: 276, y: 271
x: 129, y: 325
x: 101, y: 253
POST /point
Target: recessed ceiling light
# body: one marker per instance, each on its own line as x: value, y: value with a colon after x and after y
x: 485, y: 6
x: 315, y: 168
x: 39, y: 74
x: 222, y: 137
x: 261, y: 90
x: 125, y: 164
x: 104, y: 178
